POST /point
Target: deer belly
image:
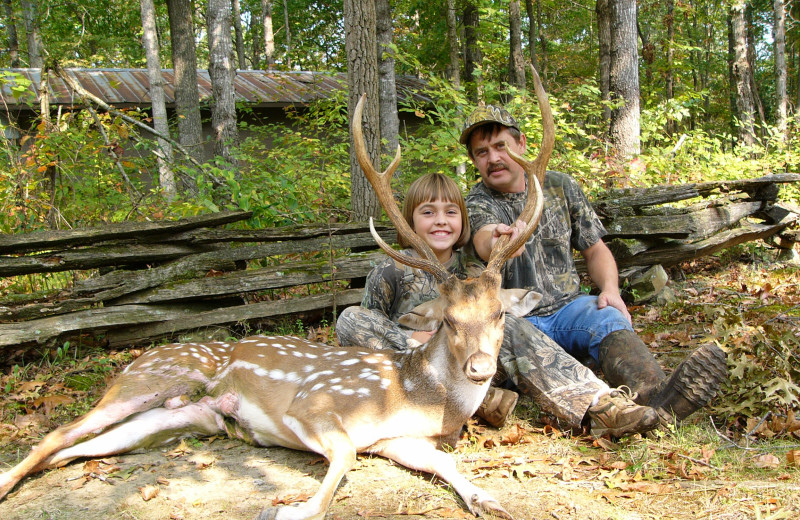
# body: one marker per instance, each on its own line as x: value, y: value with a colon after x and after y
x: 258, y: 424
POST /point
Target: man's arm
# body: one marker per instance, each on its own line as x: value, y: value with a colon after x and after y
x: 602, y: 269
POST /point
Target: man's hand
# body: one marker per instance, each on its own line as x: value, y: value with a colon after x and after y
x: 613, y: 299
x: 513, y: 231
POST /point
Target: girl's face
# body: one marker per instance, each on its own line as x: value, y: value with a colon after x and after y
x: 439, y: 225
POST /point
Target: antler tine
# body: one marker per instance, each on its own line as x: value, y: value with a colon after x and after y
x: 381, y: 183
x: 535, y: 171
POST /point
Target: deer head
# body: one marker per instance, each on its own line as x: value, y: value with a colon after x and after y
x: 470, y: 312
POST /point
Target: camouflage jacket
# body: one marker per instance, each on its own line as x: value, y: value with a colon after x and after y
x: 395, y: 289
x: 568, y: 222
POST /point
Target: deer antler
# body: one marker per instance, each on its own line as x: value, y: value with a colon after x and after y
x: 535, y: 171
x: 381, y: 183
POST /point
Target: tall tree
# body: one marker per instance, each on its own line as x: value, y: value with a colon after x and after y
x: 533, y: 31
x: 288, y: 30
x: 362, y: 78
x: 387, y: 86
x: 269, y: 35
x: 222, y: 72
x: 603, y: 11
x: 779, y: 35
x: 516, y: 59
x: 150, y: 39
x: 453, y: 63
x: 11, y: 33
x: 30, y: 12
x: 472, y: 51
x: 237, y: 29
x: 624, y: 130
x: 745, y: 103
x: 669, y: 78
x: 184, y: 62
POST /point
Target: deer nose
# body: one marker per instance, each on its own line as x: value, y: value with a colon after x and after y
x: 480, y: 367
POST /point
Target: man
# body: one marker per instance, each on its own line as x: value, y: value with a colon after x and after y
x: 593, y: 329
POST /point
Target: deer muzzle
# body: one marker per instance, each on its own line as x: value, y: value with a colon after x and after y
x: 480, y: 367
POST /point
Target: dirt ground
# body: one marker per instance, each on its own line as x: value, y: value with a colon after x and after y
x: 533, y: 474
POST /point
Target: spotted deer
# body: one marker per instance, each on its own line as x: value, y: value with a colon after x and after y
x: 287, y: 391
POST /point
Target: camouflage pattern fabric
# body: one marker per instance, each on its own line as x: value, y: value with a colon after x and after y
x: 540, y: 369
x: 394, y: 289
x: 568, y: 222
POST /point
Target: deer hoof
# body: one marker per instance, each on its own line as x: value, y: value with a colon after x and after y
x: 269, y: 513
x: 490, y: 508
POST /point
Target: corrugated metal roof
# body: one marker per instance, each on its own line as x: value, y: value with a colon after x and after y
x: 130, y: 87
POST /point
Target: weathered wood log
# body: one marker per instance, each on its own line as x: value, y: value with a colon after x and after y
x: 114, y: 285
x: 43, y: 330
x: 53, y: 240
x: 288, y: 275
x: 674, y: 252
x: 694, y: 225
x: 231, y: 315
x: 94, y: 257
x: 617, y: 201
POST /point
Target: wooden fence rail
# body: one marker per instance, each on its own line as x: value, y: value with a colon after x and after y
x: 139, y: 282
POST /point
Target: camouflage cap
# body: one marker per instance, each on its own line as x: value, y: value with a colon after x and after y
x: 485, y: 115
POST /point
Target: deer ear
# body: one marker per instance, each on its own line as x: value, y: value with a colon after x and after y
x: 519, y: 302
x: 425, y: 316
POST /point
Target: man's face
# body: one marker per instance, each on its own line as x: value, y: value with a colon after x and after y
x: 498, y: 170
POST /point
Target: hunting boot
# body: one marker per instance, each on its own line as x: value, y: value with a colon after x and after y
x: 497, y: 406
x: 617, y: 415
x: 626, y: 361
x: 693, y: 384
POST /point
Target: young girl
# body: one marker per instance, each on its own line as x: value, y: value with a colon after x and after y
x: 435, y: 210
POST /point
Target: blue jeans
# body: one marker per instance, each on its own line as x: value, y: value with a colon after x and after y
x: 580, y: 326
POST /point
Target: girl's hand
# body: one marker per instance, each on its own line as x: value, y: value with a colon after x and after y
x: 423, y: 336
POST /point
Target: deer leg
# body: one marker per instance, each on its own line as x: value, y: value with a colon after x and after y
x: 148, y: 429
x: 326, y: 436
x: 421, y: 455
x: 119, y: 402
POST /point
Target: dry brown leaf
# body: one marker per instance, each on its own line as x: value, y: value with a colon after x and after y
x: 793, y: 458
x: 652, y: 488
x: 767, y: 461
x: 290, y: 498
x: 369, y: 513
x: 149, y: 492
x: 180, y: 450
x: 49, y: 402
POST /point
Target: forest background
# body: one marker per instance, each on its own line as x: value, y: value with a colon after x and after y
x: 644, y: 93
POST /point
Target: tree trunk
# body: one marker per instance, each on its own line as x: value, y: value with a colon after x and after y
x: 624, y: 79
x: 669, y: 75
x: 745, y: 104
x: 160, y: 124
x: 237, y: 28
x: 472, y: 52
x: 454, y: 63
x: 542, y: 43
x: 517, y: 62
x: 269, y: 35
x: 604, y: 54
x: 387, y: 89
x: 222, y: 72
x: 288, y: 35
x: 362, y: 77
x: 751, y: 58
x: 11, y: 32
x: 30, y: 11
x: 533, y: 31
x: 184, y: 62
x: 781, y: 97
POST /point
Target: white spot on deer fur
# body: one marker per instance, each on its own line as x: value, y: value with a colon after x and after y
x: 348, y: 391
x: 385, y: 383
x: 364, y: 391
x: 318, y: 386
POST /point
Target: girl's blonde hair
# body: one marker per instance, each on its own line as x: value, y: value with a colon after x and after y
x: 430, y: 188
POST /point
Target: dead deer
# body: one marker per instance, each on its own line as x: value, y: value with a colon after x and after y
x: 286, y: 391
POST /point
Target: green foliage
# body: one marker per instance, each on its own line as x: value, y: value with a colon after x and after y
x: 764, y: 366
